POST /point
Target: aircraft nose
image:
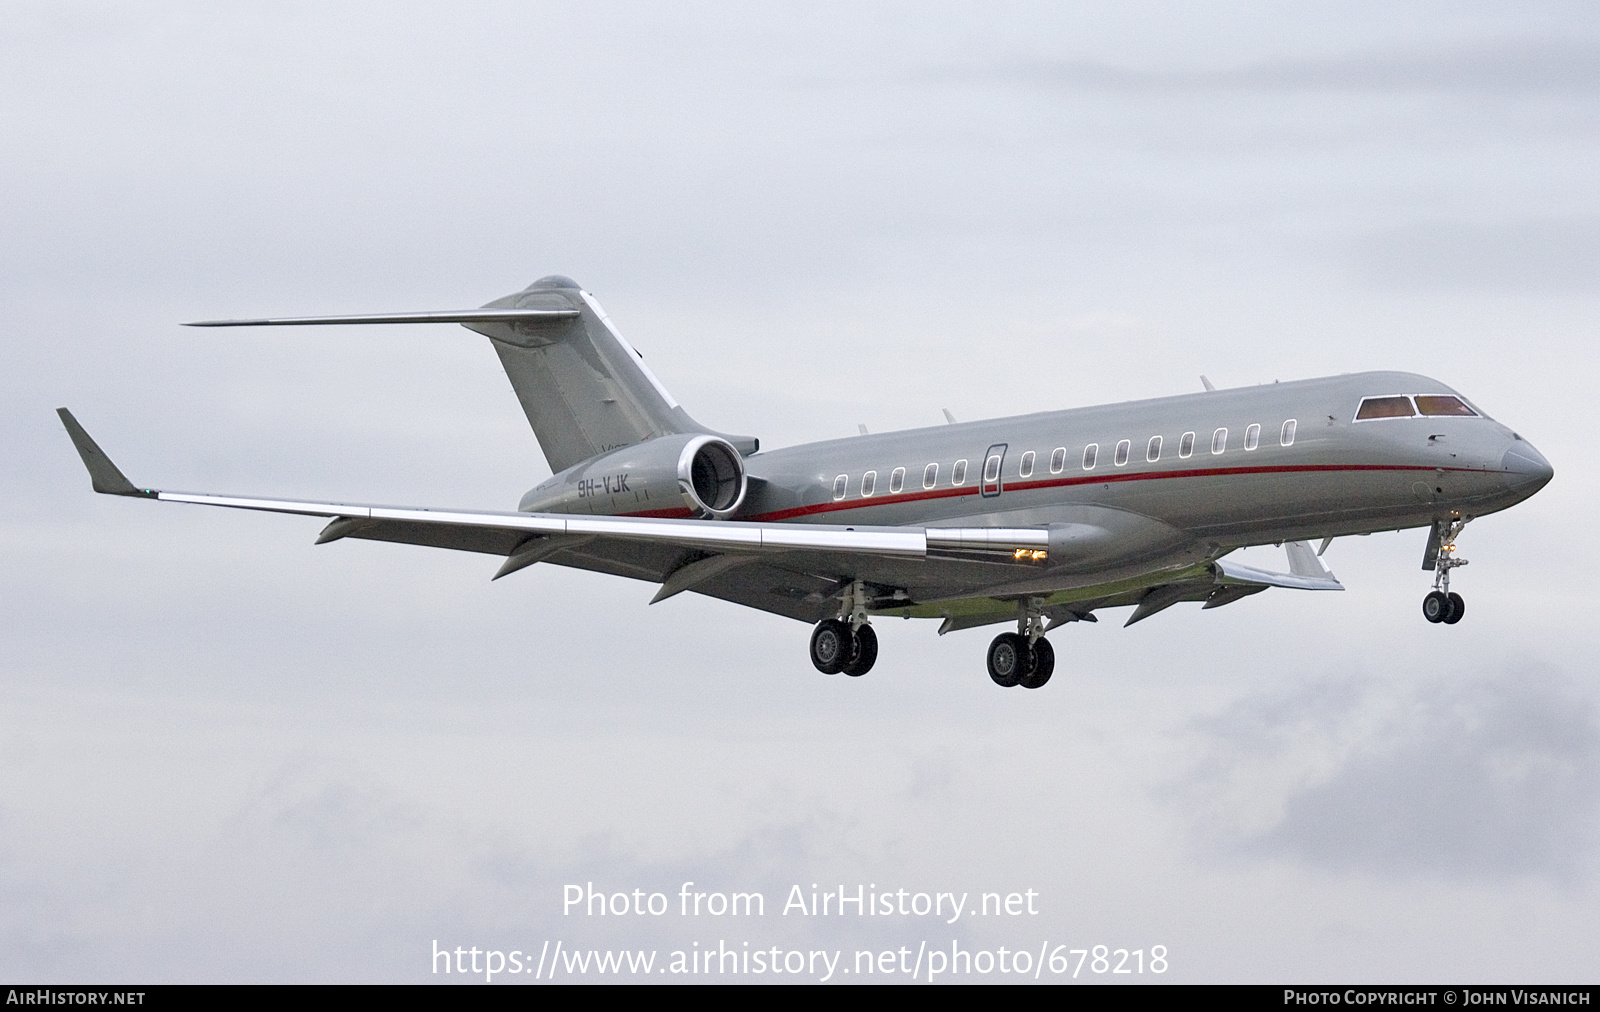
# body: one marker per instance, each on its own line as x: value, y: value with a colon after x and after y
x: 1525, y: 468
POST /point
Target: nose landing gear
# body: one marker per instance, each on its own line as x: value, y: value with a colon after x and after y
x: 1442, y: 604
x: 1024, y: 657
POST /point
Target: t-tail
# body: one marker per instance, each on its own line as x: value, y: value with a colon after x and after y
x: 584, y: 388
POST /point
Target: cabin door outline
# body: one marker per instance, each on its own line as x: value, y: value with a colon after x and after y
x: 991, y: 488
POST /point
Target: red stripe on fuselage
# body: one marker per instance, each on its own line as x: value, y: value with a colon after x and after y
x: 1025, y: 486
x: 678, y: 513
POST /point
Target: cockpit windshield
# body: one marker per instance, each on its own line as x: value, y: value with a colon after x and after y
x: 1402, y: 406
x: 1384, y: 407
x: 1442, y: 404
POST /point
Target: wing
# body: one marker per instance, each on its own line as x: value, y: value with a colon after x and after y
x: 1217, y: 583
x: 795, y: 570
x: 789, y: 569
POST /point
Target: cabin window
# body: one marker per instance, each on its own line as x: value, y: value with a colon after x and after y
x: 1058, y: 459
x: 1252, y: 437
x: 1442, y: 404
x: 930, y: 476
x: 1025, y: 469
x: 991, y: 468
x: 1384, y: 407
x: 1219, y: 440
x: 1122, y: 452
x: 839, y: 485
x: 869, y: 483
x: 1286, y: 437
x: 897, y: 480
x: 1152, y: 450
x: 1090, y: 452
x: 958, y: 473
x: 1186, y: 444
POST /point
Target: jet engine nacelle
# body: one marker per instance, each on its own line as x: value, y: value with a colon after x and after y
x: 661, y: 475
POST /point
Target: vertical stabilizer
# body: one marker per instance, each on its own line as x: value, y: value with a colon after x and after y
x: 585, y: 390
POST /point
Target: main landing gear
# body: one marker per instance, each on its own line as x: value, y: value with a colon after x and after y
x: 1442, y: 604
x: 835, y: 647
x: 846, y: 643
x: 1024, y: 657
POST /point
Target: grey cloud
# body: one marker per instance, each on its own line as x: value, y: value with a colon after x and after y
x: 1555, y: 254
x: 1513, y: 69
x: 1487, y: 779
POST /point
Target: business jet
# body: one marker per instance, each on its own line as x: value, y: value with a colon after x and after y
x: 1039, y: 520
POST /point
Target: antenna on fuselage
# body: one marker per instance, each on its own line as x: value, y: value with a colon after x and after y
x: 1206, y: 382
x: 862, y: 426
x: 949, y: 417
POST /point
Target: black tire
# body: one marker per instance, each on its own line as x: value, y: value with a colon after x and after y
x: 830, y: 646
x: 1435, y: 606
x: 1044, y: 664
x: 1009, y: 659
x: 863, y: 652
x: 1458, y: 608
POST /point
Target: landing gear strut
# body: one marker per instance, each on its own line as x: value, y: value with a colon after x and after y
x: 1024, y: 657
x: 1442, y: 604
x: 846, y: 643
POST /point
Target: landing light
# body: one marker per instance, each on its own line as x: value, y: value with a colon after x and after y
x: 1033, y: 554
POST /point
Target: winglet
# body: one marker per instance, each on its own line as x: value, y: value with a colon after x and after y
x: 103, y: 474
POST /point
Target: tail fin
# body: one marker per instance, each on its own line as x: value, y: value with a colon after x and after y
x: 583, y: 387
x: 585, y: 390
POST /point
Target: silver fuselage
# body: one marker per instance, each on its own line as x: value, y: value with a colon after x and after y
x: 1148, y: 507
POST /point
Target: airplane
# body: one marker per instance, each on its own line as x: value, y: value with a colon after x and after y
x: 1040, y: 519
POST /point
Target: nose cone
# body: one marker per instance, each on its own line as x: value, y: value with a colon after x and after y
x: 1525, y: 468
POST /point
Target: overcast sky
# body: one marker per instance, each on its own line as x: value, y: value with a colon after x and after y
x: 229, y: 755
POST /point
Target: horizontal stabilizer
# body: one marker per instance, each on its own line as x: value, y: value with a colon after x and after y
x: 441, y: 316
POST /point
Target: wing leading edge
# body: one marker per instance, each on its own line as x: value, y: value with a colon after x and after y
x: 509, y: 533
